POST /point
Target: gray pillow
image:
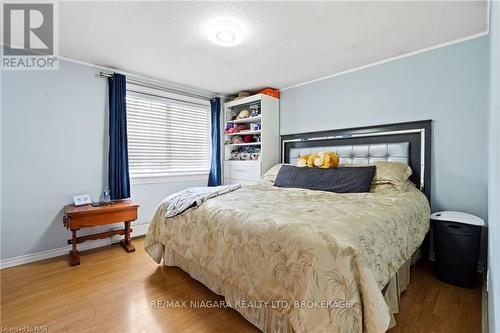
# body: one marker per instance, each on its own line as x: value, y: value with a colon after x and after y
x: 339, y: 180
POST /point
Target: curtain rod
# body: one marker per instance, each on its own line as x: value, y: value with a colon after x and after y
x: 103, y: 74
x: 154, y: 86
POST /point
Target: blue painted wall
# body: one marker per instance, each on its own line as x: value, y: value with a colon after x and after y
x: 494, y: 172
x: 448, y: 85
x: 54, y: 144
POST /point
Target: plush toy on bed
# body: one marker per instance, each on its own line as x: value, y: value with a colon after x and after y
x: 319, y: 160
x: 307, y: 160
x: 302, y: 161
x: 312, y: 160
x: 330, y: 160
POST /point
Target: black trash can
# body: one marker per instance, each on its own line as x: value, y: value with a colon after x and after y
x: 456, y: 247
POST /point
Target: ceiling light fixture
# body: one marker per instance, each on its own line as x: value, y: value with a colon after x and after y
x: 225, y: 33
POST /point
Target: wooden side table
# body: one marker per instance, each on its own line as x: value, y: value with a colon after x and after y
x: 79, y: 217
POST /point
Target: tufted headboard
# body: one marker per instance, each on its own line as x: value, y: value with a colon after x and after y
x: 408, y: 143
x: 359, y: 154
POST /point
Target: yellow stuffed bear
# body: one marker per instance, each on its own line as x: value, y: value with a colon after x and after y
x: 319, y: 160
x: 330, y: 160
x: 302, y: 162
x: 314, y: 160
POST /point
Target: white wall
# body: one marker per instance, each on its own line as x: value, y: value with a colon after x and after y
x: 494, y: 173
x: 54, y: 145
x: 448, y: 85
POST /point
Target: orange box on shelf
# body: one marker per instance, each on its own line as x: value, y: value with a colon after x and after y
x: 270, y: 92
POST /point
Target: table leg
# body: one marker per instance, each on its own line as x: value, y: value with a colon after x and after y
x: 74, y: 257
x: 126, y: 243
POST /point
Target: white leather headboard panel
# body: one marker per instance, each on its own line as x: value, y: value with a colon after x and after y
x: 360, y: 154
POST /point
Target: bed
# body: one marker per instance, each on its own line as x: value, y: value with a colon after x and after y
x: 297, y: 260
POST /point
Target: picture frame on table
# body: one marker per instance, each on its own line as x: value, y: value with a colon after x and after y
x: 81, y: 199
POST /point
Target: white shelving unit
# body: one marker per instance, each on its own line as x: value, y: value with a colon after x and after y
x: 249, y: 171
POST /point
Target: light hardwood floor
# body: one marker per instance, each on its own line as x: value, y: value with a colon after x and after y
x: 112, y: 291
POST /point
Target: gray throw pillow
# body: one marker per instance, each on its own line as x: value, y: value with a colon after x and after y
x: 339, y: 180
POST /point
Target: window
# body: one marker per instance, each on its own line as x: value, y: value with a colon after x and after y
x: 168, y: 134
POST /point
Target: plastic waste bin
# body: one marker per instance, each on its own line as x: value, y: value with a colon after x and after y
x: 456, y: 247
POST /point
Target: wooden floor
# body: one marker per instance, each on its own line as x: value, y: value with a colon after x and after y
x: 112, y: 291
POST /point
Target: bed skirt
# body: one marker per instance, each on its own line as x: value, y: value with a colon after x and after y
x: 268, y: 319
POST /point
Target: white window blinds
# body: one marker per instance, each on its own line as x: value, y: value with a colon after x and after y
x: 168, y: 134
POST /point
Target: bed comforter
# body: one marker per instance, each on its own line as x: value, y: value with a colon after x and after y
x: 334, y: 252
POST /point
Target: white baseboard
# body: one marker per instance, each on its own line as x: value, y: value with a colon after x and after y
x: 480, y: 265
x: 137, y: 230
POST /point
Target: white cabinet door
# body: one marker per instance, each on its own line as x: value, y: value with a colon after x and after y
x: 242, y: 170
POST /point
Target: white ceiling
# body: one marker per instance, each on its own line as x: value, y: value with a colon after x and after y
x: 287, y: 43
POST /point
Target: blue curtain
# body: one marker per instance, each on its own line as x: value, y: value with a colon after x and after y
x: 118, y: 177
x: 215, y: 175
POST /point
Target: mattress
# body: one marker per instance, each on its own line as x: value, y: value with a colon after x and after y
x: 294, y: 259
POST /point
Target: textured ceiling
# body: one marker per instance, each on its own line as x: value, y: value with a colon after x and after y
x: 287, y: 43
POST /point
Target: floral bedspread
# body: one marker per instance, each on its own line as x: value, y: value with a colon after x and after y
x: 323, y: 256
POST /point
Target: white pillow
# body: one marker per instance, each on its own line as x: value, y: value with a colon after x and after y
x: 270, y: 176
